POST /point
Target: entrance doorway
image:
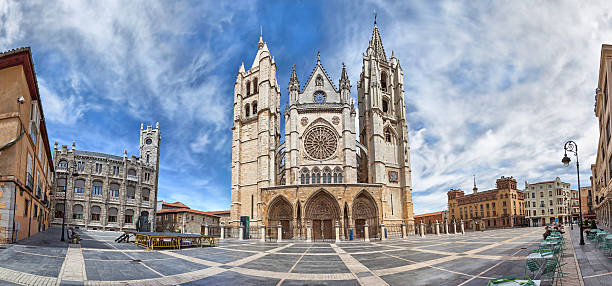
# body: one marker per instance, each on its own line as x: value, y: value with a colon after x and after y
x: 360, y: 228
x: 365, y: 210
x: 323, y: 211
x: 280, y: 212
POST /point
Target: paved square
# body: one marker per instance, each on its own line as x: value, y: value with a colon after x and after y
x: 470, y: 259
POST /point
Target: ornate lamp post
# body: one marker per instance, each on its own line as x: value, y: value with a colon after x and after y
x: 573, y: 148
x: 74, y: 174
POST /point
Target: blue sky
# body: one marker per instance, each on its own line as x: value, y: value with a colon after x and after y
x: 492, y: 87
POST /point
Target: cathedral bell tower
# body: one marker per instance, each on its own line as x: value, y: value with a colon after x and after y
x: 150, y: 140
x: 255, y: 134
x: 383, y: 128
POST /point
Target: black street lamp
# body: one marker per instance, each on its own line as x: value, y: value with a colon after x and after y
x: 74, y: 174
x: 573, y: 148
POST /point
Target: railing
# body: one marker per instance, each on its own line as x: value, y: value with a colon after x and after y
x: 214, y: 230
x: 132, y: 178
x: 254, y: 232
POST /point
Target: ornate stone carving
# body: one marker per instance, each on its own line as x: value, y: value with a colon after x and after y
x: 335, y: 120
x: 304, y: 121
x: 321, y: 142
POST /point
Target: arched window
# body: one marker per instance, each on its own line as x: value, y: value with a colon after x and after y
x: 388, y: 135
x: 59, y: 210
x: 319, y: 81
x: 130, y: 192
x: 254, y: 107
x: 146, y: 194
x: 112, y: 214
x: 79, y: 186
x: 144, y: 213
x: 248, y: 88
x: 148, y: 155
x: 383, y: 81
x: 303, y: 176
x: 63, y: 164
x: 96, y: 189
x: 316, y: 176
x: 307, y: 178
x: 255, y: 87
x: 114, y: 190
x: 61, y: 184
x: 131, y: 172
x: 385, y: 106
x: 77, y: 212
x: 129, y: 216
x: 95, y: 213
x: 338, y: 176
x: 326, y: 176
x: 247, y: 110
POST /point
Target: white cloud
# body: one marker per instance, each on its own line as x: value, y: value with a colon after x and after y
x: 64, y: 110
x: 10, y: 19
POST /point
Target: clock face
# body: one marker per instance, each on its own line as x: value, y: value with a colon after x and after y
x: 319, y: 97
x: 149, y: 141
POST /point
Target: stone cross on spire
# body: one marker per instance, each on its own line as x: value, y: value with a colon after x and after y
x: 318, y: 57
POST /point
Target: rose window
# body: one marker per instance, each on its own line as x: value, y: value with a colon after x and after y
x: 319, y: 97
x: 320, y: 142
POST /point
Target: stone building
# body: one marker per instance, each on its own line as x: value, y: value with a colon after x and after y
x: 601, y: 177
x: 109, y: 192
x: 224, y: 216
x: 548, y: 202
x: 26, y: 174
x: 586, y: 196
x: 497, y: 208
x: 321, y: 176
x: 575, y: 206
x: 177, y: 217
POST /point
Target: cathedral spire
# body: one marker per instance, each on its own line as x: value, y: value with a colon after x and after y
x: 475, y: 189
x: 294, y: 83
x: 376, y: 43
x: 241, y: 68
x: 261, y: 43
x: 344, y: 80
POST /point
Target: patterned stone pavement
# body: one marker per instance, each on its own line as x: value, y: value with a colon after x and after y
x: 470, y: 259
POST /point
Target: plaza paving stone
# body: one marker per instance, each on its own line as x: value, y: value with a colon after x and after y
x: 470, y: 259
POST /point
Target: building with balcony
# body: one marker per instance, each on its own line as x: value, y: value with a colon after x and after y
x: 108, y: 192
x: 26, y: 174
x: 548, y: 202
x: 496, y: 208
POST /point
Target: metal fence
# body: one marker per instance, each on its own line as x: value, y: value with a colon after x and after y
x: 254, y: 232
x: 214, y: 230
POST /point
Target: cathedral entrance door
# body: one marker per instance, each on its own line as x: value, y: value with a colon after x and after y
x: 322, y: 229
x: 359, y: 228
x: 327, y: 229
x: 287, y: 231
x: 316, y: 229
x: 323, y: 211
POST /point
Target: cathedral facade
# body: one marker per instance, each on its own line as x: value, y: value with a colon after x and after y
x: 321, y: 176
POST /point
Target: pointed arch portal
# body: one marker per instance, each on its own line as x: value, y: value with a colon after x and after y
x: 281, y: 212
x: 323, y: 210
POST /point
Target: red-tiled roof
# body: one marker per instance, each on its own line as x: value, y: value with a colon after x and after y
x: 163, y: 211
x: 175, y: 204
x: 227, y: 212
x: 428, y: 214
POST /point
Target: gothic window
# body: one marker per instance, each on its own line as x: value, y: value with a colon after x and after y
x: 148, y: 155
x: 254, y: 107
x: 247, y: 110
x: 131, y: 192
x: 307, y: 178
x: 95, y: 213
x: 145, y: 194
x: 320, y: 142
x: 62, y: 164
x: 316, y: 176
x: 77, y: 212
x: 129, y: 216
x: 97, y: 188
x: 79, y: 186
x: 385, y: 106
x: 114, y: 190
x: 338, y: 176
x: 327, y: 176
x: 383, y: 81
x: 61, y: 184
x: 131, y: 172
x: 248, y: 88
x: 319, y: 81
x: 254, y: 87
x: 59, y: 210
x: 112, y: 214
x: 319, y: 97
x: 388, y: 136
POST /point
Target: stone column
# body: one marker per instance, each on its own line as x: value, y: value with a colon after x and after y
x: 279, y: 233
x: 462, y: 227
x: 263, y: 233
x: 337, y: 231
x: 404, y: 231
x: 308, y: 232
x: 445, y: 227
x: 366, y: 230
x: 482, y: 225
x: 454, y: 227
x: 383, y: 229
x: 222, y: 231
x: 421, y: 229
x: 206, y: 229
x: 437, y: 228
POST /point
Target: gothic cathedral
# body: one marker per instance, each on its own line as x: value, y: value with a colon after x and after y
x: 321, y: 176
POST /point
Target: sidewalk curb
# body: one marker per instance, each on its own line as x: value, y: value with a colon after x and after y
x: 576, y: 261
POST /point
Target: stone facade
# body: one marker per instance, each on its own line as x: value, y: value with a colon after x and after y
x: 26, y: 174
x: 321, y: 175
x: 110, y: 192
x: 547, y: 202
x: 601, y: 179
x: 497, y: 208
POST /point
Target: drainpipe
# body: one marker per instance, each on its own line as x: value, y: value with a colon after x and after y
x: 14, y: 212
